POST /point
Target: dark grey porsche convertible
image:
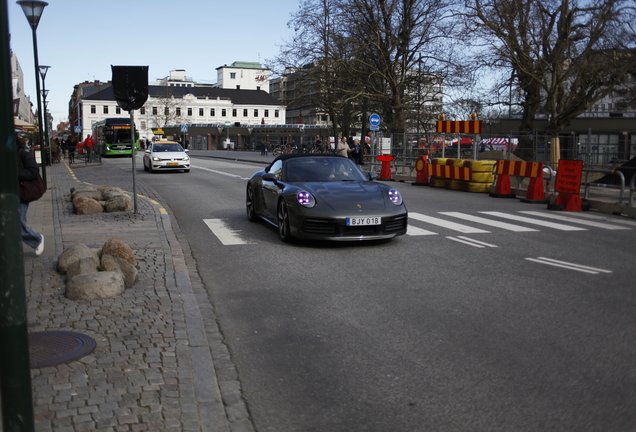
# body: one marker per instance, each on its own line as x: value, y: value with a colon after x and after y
x: 324, y: 197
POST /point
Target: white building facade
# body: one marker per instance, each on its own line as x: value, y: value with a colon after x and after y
x: 178, y: 100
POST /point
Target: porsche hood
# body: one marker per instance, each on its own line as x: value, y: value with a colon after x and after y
x: 343, y: 195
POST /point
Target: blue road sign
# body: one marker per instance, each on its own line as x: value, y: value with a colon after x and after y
x: 374, y: 119
x: 374, y: 128
x: 184, y: 128
x: 78, y: 129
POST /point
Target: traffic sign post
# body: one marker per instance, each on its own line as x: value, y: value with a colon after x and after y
x: 374, y: 126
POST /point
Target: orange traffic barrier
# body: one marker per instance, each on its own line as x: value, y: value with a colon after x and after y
x: 421, y: 167
x: 385, y: 171
x: 534, y: 170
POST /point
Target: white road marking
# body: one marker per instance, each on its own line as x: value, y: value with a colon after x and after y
x: 574, y: 220
x: 477, y: 241
x: 415, y: 231
x: 534, y: 221
x: 220, y: 172
x: 470, y: 242
x: 567, y: 265
x: 223, y: 232
x: 489, y: 222
x: 446, y: 224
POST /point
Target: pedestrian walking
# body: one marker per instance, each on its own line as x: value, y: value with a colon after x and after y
x: 343, y: 148
x: 71, y: 145
x: 28, y: 171
x: 89, y: 143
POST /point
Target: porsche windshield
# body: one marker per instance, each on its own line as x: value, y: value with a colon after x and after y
x: 322, y: 169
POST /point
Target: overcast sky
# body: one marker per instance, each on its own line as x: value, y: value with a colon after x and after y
x: 80, y: 40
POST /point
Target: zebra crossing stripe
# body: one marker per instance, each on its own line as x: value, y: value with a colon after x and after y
x: 446, y: 224
x: 223, y: 232
x: 415, y: 231
x: 547, y: 224
x: 489, y: 222
x: 575, y: 220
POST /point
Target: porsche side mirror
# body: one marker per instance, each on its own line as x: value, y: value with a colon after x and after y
x: 269, y: 177
x: 373, y: 176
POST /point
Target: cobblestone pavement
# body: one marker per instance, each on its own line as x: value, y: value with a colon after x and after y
x: 160, y: 363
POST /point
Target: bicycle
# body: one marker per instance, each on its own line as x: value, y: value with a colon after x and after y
x: 284, y: 149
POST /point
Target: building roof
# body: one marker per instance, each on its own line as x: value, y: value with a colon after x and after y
x: 238, y: 97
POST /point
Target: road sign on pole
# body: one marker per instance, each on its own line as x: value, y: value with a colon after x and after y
x: 374, y: 119
x: 184, y: 128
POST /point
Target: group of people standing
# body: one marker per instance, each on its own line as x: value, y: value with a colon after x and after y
x: 351, y: 148
x: 70, y: 145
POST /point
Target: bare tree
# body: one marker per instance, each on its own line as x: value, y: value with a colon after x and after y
x: 562, y: 55
x: 167, y: 108
x: 362, y: 55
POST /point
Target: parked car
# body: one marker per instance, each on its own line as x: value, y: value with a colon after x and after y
x: 324, y: 197
x: 166, y: 156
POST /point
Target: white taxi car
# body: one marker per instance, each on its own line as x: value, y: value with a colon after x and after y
x: 166, y: 156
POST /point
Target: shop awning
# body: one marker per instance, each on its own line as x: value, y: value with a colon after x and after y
x: 25, y: 126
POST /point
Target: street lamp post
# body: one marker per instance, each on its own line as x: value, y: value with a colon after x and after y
x: 33, y: 11
x: 45, y: 92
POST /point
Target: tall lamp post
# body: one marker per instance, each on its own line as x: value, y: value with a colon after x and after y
x: 45, y: 93
x: 33, y: 11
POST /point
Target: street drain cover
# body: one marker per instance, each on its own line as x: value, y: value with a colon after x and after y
x: 49, y: 348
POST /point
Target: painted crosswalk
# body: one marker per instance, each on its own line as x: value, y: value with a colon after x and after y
x: 471, y: 223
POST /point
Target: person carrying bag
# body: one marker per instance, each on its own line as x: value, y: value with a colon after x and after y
x: 32, y: 187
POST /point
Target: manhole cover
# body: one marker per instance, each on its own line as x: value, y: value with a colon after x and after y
x: 49, y: 348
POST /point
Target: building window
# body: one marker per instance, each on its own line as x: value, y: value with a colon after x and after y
x: 200, y: 112
x: 93, y: 109
x: 178, y: 112
x: 105, y: 109
x: 233, y: 112
x: 117, y: 109
x: 223, y: 112
x: 255, y: 113
x: 143, y: 125
x: 266, y: 113
x: 166, y: 111
x: 189, y: 111
x: 276, y: 113
x: 245, y: 112
x: 212, y: 112
x: 232, y: 75
x: 154, y: 110
x: 142, y: 110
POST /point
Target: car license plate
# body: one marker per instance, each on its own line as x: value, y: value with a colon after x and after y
x: 173, y: 163
x: 362, y: 221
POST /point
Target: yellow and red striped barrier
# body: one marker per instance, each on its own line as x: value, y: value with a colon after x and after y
x: 533, y: 170
x: 461, y: 174
x: 463, y: 127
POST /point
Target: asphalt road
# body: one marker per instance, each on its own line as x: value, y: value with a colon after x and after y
x: 463, y: 327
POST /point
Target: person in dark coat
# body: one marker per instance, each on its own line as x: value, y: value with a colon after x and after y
x: 71, y: 145
x: 28, y: 170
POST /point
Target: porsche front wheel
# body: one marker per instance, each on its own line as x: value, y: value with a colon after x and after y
x: 283, y: 222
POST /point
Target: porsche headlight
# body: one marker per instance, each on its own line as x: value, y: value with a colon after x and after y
x: 395, y: 197
x: 305, y: 199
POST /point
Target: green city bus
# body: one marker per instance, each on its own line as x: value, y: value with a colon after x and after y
x: 113, y: 136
